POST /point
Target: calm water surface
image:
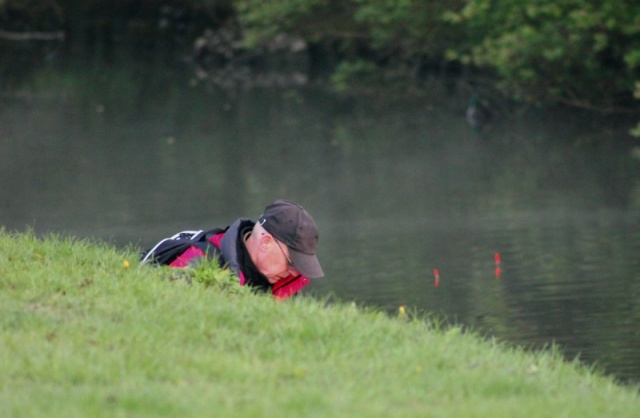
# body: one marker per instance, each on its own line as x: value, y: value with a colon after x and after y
x: 399, y: 187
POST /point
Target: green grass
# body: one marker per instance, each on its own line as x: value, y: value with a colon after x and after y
x: 83, y: 335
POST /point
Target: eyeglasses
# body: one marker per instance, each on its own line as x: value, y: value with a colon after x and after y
x: 284, y: 254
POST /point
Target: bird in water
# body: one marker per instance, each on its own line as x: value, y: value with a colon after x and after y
x: 477, y: 114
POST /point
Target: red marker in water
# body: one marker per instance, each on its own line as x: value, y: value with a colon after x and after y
x: 496, y: 257
x: 436, y: 275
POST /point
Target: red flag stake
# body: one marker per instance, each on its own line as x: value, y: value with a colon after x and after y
x: 436, y: 275
x: 496, y: 257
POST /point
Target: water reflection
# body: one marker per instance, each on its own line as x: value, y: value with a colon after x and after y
x: 399, y: 187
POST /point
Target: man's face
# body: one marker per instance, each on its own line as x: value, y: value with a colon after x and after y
x: 274, y: 261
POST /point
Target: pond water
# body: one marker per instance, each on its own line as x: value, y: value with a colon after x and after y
x: 400, y: 187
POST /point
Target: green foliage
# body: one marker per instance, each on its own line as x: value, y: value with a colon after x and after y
x: 405, y: 29
x: 572, y: 51
x: 414, y: 26
x: 585, y: 53
x: 579, y: 52
x: 209, y: 274
x: 263, y: 20
x: 349, y: 72
x: 386, y: 20
x: 378, y: 39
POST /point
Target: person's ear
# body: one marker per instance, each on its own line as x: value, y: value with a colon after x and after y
x: 265, y: 241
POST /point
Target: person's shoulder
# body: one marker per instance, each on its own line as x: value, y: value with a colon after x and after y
x: 241, y: 224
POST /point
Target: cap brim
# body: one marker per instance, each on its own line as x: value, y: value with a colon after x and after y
x: 306, y: 264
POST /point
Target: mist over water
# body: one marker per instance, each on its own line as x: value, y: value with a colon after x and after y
x: 398, y: 186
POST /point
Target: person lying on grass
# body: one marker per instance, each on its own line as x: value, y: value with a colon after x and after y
x: 277, y: 253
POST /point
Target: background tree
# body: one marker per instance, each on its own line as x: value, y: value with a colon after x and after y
x: 583, y: 53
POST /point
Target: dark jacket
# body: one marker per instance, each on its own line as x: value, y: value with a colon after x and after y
x: 228, y: 245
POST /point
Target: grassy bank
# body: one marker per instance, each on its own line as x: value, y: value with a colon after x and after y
x: 87, y: 332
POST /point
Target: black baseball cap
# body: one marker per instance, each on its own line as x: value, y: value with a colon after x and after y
x: 292, y: 225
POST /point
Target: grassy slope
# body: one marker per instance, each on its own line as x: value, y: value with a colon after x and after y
x: 82, y: 335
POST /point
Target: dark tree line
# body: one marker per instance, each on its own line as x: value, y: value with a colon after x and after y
x: 584, y: 53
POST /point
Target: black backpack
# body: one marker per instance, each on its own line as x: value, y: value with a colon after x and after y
x: 168, y: 249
